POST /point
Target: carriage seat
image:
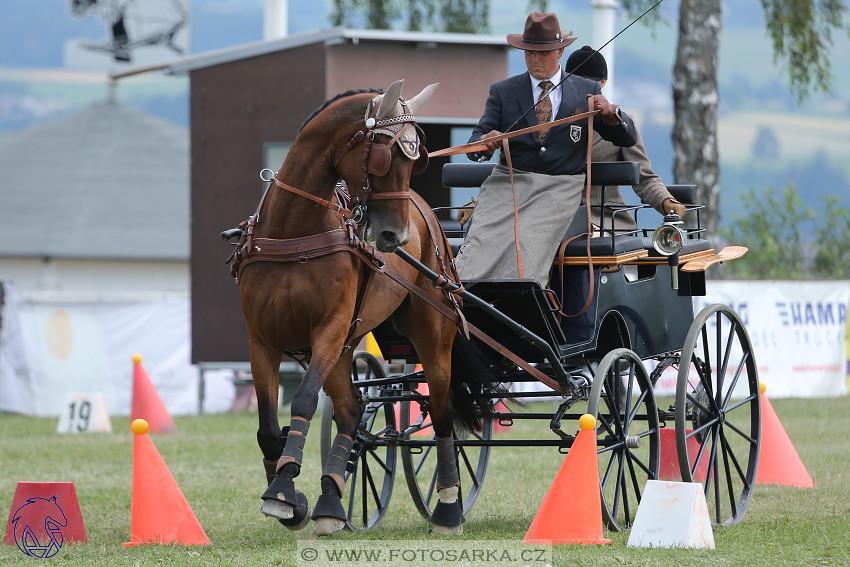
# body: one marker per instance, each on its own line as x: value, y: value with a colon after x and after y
x: 601, y: 173
x: 612, y: 173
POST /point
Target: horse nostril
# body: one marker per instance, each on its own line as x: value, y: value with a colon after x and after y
x: 388, y: 241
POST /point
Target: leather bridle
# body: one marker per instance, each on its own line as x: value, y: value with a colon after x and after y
x: 377, y: 160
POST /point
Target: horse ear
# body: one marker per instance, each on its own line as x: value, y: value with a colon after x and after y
x: 419, y: 100
x: 392, y: 95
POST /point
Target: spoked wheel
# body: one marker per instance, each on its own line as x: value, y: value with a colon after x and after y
x: 371, y: 466
x: 718, y: 415
x: 420, y: 463
x: 627, y: 433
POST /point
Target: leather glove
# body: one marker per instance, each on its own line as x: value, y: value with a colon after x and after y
x: 463, y: 215
x: 671, y: 204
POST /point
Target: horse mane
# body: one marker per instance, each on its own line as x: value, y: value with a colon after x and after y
x: 336, y: 98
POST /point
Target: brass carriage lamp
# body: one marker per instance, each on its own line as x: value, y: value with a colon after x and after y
x: 668, y: 239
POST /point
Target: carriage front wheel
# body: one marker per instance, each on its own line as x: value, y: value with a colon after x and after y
x: 718, y: 414
x: 370, y: 471
x: 627, y: 434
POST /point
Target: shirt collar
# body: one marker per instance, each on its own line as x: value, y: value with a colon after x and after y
x: 556, y: 78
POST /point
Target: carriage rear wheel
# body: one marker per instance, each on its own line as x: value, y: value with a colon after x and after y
x: 420, y: 462
x: 718, y: 414
x: 627, y: 433
x: 371, y: 466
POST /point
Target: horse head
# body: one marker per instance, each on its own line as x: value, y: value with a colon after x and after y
x: 393, y: 148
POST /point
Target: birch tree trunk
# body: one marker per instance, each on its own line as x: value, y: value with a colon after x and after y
x: 695, y: 157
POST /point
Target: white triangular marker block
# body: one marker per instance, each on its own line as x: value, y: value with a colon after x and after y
x: 672, y: 514
x: 84, y: 413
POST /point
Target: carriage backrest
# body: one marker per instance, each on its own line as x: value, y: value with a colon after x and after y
x: 601, y: 173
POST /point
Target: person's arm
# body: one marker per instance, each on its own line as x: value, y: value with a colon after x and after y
x: 613, y: 124
x: 651, y: 188
x: 488, y: 126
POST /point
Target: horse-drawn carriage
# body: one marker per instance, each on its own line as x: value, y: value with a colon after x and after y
x: 636, y: 327
x: 618, y: 316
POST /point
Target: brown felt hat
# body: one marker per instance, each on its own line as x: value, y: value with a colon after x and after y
x: 542, y: 33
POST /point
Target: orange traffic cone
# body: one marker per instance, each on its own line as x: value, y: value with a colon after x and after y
x: 160, y: 513
x: 44, y: 517
x: 669, y: 458
x: 779, y: 462
x: 498, y: 427
x: 421, y: 388
x: 147, y: 404
x: 571, y: 511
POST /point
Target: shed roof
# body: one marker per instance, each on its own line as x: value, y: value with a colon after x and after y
x: 329, y: 37
x: 105, y: 182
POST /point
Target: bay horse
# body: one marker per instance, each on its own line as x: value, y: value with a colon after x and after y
x: 313, y: 287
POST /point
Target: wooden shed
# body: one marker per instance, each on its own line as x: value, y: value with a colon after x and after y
x: 247, y: 104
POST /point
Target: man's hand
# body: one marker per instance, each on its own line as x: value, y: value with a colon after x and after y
x: 463, y: 215
x: 492, y: 146
x: 672, y: 205
x: 608, y: 110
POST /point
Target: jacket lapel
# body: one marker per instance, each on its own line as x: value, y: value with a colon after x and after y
x: 525, y: 100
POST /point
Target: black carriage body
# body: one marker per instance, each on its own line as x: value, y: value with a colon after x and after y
x: 632, y: 307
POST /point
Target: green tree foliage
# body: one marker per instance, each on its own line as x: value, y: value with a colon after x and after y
x: 453, y: 16
x: 788, y: 239
x: 832, y: 257
x: 470, y: 16
x: 801, y: 31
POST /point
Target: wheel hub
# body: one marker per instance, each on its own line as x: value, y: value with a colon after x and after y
x: 700, y: 417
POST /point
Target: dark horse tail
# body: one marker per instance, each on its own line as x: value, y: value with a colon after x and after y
x: 473, y: 385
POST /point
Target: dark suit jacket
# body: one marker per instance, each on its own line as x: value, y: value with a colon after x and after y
x: 565, y: 151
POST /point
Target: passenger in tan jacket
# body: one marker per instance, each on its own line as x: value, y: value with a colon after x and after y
x: 651, y: 190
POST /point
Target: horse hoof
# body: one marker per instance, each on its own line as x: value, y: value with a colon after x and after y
x: 277, y: 509
x: 300, y: 515
x: 327, y: 526
x: 299, y: 525
x: 447, y: 530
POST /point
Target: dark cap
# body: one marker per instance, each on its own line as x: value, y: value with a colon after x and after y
x: 587, y: 62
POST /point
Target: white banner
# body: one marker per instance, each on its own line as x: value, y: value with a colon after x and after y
x: 798, y: 332
x: 50, y: 350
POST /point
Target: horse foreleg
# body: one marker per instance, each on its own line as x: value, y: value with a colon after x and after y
x: 281, y: 500
x: 329, y: 515
x: 264, y: 368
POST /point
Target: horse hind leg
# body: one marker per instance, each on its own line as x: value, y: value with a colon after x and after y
x: 447, y: 517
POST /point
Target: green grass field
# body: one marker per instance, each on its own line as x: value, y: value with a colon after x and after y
x: 217, y: 464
